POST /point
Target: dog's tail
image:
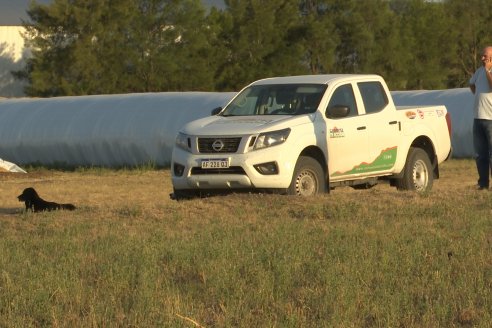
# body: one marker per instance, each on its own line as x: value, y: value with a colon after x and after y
x: 69, y: 207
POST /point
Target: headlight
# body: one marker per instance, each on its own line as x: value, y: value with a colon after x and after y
x: 183, y: 141
x: 273, y: 138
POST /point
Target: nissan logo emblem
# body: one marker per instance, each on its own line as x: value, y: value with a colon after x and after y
x: 218, y: 145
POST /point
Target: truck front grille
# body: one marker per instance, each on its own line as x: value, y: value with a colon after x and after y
x: 218, y: 145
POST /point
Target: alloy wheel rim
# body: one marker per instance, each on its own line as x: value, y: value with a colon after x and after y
x: 420, y: 176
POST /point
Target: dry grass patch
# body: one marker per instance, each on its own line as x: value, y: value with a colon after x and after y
x: 131, y: 256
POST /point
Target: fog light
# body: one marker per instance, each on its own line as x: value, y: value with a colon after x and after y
x: 269, y: 168
x: 178, y: 169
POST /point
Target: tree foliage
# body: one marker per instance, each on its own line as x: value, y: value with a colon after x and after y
x: 84, y: 47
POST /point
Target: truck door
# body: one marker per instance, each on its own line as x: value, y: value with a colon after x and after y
x: 347, y: 137
x: 383, y: 127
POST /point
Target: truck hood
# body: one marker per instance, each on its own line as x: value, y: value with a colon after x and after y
x: 238, y: 125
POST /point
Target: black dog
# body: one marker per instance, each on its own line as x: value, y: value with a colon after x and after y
x: 36, y: 204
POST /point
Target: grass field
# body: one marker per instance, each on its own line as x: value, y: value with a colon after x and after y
x: 129, y: 256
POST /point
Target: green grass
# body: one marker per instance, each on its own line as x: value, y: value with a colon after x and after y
x: 373, y: 258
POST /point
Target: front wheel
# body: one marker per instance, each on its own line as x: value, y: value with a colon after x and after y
x: 417, y: 174
x: 308, y: 179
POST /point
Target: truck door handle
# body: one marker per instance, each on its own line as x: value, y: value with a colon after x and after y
x: 395, y: 122
x: 361, y: 128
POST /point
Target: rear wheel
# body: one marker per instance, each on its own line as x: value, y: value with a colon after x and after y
x: 308, y: 179
x: 417, y: 174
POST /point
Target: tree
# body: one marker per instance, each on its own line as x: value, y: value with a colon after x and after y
x: 258, y: 41
x: 470, y: 34
x: 117, y: 46
x: 318, y: 36
x: 171, y: 38
x: 431, y: 62
x: 385, y: 50
x: 370, y: 39
x: 349, y: 26
x: 106, y: 46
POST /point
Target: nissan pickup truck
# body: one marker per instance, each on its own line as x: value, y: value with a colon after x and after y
x: 307, y: 135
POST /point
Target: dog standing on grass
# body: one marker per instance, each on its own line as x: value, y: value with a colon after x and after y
x: 36, y: 204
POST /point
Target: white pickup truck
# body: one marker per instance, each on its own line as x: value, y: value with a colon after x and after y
x: 304, y: 135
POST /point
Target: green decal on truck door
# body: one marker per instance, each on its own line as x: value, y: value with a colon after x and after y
x: 384, y: 161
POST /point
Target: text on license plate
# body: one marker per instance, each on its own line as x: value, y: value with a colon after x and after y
x: 221, y: 163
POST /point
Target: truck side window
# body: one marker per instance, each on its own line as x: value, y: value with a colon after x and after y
x: 344, y: 96
x: 373, y: 96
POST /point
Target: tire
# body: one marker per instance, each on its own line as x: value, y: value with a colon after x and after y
x: 308, y: 178
x: 417, y: 174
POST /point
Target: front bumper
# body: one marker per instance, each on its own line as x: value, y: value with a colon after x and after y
x: 241, y: 173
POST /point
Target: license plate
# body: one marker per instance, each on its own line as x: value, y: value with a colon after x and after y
x: 220, y: 163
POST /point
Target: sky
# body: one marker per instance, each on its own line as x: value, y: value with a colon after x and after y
x: 13, y: 11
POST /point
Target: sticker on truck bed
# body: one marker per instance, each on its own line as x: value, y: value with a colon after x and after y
x: 385, y: 161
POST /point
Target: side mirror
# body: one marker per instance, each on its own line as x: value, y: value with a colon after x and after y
x: 337, y: 111
x: 216, y: 111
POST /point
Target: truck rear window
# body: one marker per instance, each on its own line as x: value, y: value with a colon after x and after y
x: 373, y: 96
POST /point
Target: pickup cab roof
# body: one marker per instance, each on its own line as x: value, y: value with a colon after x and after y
x: 316, y: 79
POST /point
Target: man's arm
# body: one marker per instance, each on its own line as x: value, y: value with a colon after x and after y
x: 487, y: 65
x: 489, y: 77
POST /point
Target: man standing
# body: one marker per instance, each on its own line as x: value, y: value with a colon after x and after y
x: 481, y: 87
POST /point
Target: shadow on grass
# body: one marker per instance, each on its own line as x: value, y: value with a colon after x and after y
x: 8, y: 211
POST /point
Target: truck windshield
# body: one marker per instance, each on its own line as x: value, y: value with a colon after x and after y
x: 276, y: 99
